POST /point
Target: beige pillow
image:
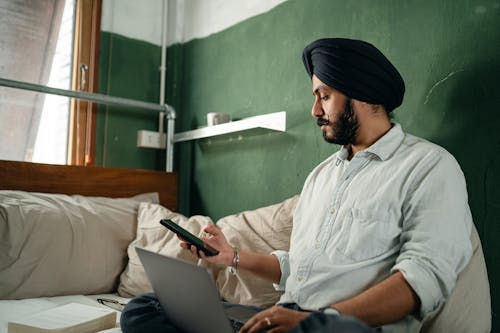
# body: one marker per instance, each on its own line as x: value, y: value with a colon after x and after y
x: 262, y: 230
x: 153, y: 236
x: 468, y: 308
x: 55, y: 244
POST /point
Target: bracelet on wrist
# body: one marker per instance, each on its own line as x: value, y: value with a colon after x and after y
x: 236, y: 260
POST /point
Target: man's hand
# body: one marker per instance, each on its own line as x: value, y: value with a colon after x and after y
x: 273, y: 320
x: 217, y: 240
x: 264, y: 265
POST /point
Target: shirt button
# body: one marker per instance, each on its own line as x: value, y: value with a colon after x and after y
x: 300, y: 278
x: 332, y: 211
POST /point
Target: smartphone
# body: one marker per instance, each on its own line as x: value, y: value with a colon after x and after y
x: 189, y: 237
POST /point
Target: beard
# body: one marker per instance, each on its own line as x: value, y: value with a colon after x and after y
x: 344, y: 128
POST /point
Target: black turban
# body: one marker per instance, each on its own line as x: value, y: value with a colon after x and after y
x: 357, y: 69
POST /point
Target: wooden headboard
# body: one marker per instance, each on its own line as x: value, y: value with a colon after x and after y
x: 89, y: 181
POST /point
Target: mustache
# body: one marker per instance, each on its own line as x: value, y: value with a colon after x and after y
x: 322, y: 121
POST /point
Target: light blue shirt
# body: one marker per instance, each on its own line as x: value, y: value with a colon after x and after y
x: 399, y: 205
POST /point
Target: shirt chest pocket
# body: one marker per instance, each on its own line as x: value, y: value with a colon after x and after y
x: 368, y: 234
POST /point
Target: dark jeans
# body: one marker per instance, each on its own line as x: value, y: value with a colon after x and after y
x: 321, y: 323
x: 145, y: 314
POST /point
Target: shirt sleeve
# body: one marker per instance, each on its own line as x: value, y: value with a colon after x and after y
x: 436, y: 232
x: 283, y: 259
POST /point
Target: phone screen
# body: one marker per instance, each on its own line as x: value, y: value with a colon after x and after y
x: 189, y: 237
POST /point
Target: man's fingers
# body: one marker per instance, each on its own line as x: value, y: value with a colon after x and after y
x: 258, y: 323
x: 249, y: 324
x: 193, y: 249
x: 211, y: 229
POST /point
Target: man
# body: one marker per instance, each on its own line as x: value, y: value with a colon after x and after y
x: 382, y: 227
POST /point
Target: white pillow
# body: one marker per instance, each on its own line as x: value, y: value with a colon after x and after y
x: 262, y: 230
x: 55, y: 244
x: 151, y: 235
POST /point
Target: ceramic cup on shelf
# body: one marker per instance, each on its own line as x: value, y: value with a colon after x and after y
x: 216, y: 118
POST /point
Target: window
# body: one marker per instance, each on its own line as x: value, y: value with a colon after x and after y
x: 52, y: 43
x: 50, y: 145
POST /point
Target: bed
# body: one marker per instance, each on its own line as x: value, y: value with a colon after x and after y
x: 52, y: 188
x: 68, y: 234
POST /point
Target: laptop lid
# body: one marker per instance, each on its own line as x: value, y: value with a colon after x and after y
x: 186, y: 292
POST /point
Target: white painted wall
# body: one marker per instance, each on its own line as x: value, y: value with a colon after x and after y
x: 134, y: 19
x: 188, y: 19
x: 205, y: 17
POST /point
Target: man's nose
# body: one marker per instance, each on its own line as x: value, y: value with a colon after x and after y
x: 317, y: 110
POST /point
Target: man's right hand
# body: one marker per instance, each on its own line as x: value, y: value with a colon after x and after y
x: 217, y: 240
x: 275, y: 319
x: 264, y: 265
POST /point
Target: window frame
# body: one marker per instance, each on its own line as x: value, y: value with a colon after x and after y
x: 83, y: 114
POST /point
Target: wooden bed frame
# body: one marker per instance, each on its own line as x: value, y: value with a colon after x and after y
x: 88, y: 181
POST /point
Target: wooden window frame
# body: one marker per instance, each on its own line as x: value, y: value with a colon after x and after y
x: 83, y: 114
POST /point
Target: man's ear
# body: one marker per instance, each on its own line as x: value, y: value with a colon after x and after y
x: 372, y: 108
x: 379, y: 108
x: 363, y: 106
x: 364, y: 110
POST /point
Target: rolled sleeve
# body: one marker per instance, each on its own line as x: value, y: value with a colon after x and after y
x: 283, y: 259
x: 424, y: 284
x: 436, y: 233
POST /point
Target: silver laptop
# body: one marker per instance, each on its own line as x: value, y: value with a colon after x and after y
x: 188, y: 295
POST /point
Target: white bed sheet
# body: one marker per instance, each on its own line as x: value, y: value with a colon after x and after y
x: 15, y: 309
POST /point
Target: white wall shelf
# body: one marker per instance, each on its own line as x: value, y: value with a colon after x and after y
x: 272, y: 121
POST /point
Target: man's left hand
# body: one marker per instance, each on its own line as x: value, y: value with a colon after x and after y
x: 273, y: 320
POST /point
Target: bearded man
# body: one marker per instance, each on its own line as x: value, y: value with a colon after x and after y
x: 382, y: 227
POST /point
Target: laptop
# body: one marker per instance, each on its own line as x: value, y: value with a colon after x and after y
x: 189, y: 296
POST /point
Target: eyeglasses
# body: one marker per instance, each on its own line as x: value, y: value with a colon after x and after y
x: 111, y: 303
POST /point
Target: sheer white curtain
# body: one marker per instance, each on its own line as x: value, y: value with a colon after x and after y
x: 36, y: 47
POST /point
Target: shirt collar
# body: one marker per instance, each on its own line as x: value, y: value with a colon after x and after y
x: 383, y: 148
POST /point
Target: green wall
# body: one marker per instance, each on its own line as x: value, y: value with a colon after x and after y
x: 447, y: 52
x: 127, y: 68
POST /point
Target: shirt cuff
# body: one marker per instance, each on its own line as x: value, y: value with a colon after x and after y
x: 283, y: 259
